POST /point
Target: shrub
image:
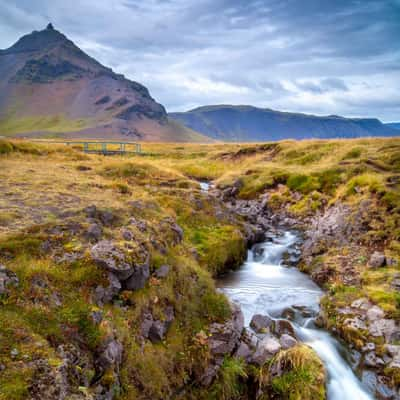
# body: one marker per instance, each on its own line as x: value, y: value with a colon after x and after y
x: 5, y: 147
x: 302, y: 183
x: 353, y: 153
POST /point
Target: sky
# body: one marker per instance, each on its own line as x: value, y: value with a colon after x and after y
x: 322, y: 57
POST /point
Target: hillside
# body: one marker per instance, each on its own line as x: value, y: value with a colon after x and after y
x: 50, y: 87
x: 247, y: 124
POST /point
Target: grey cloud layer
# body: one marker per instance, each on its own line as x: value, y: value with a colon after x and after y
x: 329, y: 57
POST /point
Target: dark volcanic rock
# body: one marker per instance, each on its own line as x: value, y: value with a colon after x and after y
x: 108, y: 256
x: 138, y: 278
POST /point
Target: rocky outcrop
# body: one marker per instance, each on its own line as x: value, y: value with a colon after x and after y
x: 328, y: 228
x: 222, y: 341
x: 366, y: 328
x: 155, y: 329
x: 123, y: 272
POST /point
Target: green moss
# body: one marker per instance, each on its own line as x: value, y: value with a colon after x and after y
x: 302, y: 183
x: 220, y: 247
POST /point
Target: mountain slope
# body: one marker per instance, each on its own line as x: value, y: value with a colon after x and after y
x: 393, y: 125
x: 246, y: 123
x: 48, y: 84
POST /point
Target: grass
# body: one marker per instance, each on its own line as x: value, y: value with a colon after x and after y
x: 228, y: 385
x: 302, y: 375
x: 54, y: 123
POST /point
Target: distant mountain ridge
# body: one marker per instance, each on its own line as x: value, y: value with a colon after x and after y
x: 248, y: 123
x: 393, y: 125
x: 49, y: 86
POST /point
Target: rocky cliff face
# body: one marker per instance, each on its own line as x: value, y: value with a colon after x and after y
x: 48, y: 84
x: 246, y: 123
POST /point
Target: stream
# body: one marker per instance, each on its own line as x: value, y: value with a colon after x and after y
x: 263, y: 285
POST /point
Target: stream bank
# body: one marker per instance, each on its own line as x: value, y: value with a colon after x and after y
x: 371, y: 360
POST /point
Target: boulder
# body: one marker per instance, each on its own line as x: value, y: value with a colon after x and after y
x: 225, y: 337
x: 110, y: 355
x: 283, y: 326
x: 139, y: 276
x: 7, y: 279
x: 106, y: 255
x: 287, y: 341
x: 157, y: 331
x: 375, y: 313
x: 266, y: 349
x: 261, y: 323
x: 243, y: 351
x: 94, y: 232
x: 377, y: 260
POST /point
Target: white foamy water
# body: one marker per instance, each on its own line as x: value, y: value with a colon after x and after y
x: 263, y: 286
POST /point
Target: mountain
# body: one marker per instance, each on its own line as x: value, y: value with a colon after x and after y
x: 393, y: 125
x: 246, y: 124
x: 48, y: 86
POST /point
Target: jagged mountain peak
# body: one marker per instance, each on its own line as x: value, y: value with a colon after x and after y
x: 48, y: 83
x: 38, y: 41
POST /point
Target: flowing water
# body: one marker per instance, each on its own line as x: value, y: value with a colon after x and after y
x: 264, y: 286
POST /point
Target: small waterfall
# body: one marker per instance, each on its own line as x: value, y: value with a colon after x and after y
x: 263, y: 285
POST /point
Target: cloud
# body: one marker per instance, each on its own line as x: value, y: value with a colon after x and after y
x: 329, y: 57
